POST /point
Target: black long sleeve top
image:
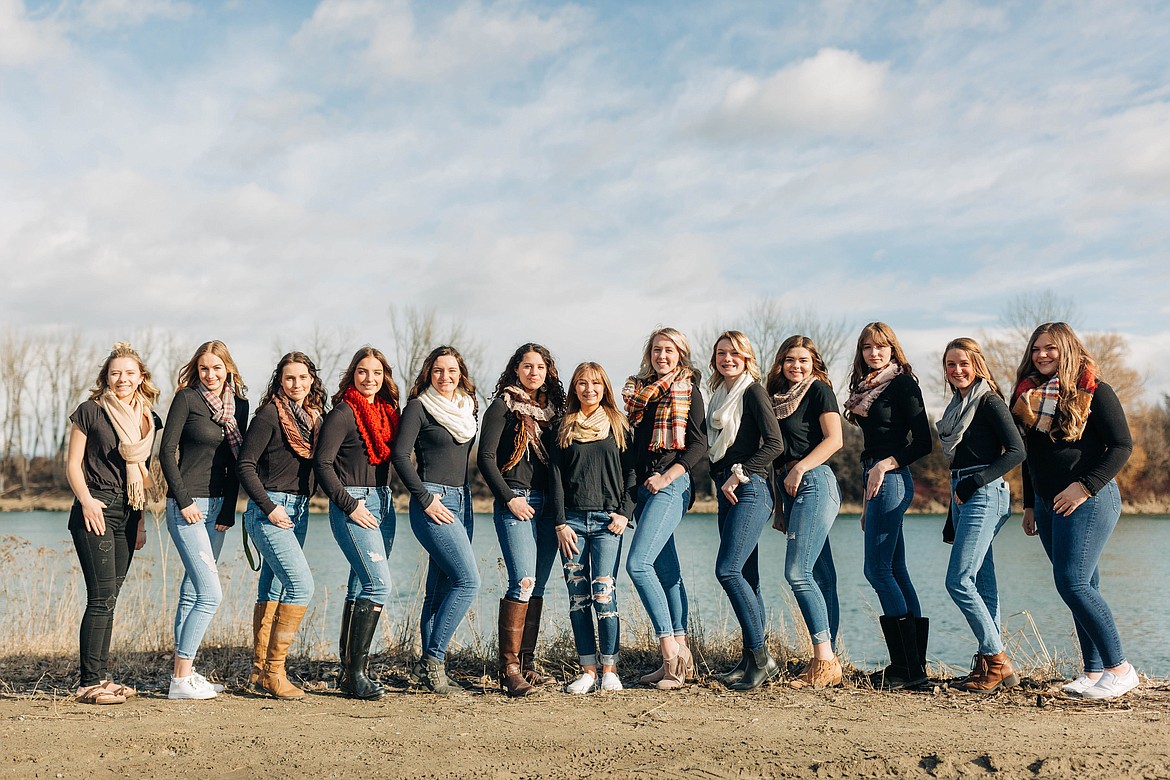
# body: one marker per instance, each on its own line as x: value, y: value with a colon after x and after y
x: 497, y: 439
x: 267, y: 462
x: 1093, y: 460
x: 441, y: 460
x: 758, y: 441
x: 896, y: 425
x: 802, y: 429
x: 195, y: 455
x: 991, y: 440
x: 647, y: 462
x: 102, y: 464
x: 340, y: 459
x: 590, y: 477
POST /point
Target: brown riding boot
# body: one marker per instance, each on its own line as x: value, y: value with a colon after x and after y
x: 284, y: 628
x: 511, y: 631
x: 261, y: 627
x: 995, y: 673
x: 528, y: 644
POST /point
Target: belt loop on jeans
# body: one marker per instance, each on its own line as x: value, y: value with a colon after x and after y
x: 956, y: 473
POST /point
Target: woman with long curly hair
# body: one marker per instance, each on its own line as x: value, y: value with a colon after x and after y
x: 513, y: 459
x: 1077, y: 440
x: 275, y: 468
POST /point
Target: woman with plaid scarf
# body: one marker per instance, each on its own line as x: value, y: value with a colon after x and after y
x: 665, y: 409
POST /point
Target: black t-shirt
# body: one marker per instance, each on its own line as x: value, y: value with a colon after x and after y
x: 802, y: 429
x: 590, y: 477
x: 103, y: 466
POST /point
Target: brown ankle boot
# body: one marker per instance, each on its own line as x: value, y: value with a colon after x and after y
x: 261, y: 627
x: 819, y: 674
x: 511, y: 631
x: 528, y: 644
x: 995, y: 673
x: 285, y: 623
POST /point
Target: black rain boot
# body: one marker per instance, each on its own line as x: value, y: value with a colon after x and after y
x: 343, y: 642
x: 761, y: 667
x: 735, y: 673
x: 362, y: 626
x: 905, y: 669
x: 922, y: 627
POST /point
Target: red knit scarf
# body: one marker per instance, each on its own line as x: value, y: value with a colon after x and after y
x: 377, y: 423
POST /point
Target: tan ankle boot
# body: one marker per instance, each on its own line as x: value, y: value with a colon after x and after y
x: 674, y: 673
x: 285, y: 623
x: 819, y: 674
x: 261, y: 627
x: 995, y: 673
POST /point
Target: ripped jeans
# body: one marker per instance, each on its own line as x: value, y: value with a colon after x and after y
x: 591, y: 577
x: 528, y: 546
x: 200, y: 592
x: 366, y: 549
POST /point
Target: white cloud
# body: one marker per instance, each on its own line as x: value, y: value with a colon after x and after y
x: 25, y: 41
x: 121, y: 14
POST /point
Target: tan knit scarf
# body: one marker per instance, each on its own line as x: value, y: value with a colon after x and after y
x: 133, y: 445
x: 862, y: 398
x: 784, y: 404
x: 534, y: 418
x: 595, y: 427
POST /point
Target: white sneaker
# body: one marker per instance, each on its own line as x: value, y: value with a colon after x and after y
x: 1110, y: 686
x: 190, y: 688
x: 1078, y: 686
x: 583, y: 684
x: 204, y: 681
x: 611, y: 682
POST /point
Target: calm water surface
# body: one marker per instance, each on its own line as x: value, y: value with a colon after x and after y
x: 1135, y: 573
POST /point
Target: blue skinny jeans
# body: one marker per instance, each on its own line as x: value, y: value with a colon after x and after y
x: 591, y: 579
x: 971, y: 572
x: 808, y: 559
x: 366, y: 549
x: 200, y: 592
x: 284, y: 572
x: 885, y: 548
x: 653, y: 561
x: 741, y: 525
x: 529, y: 547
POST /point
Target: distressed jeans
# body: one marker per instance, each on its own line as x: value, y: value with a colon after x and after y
x: 200, y: 592
x: 284, y: 572
x: 591, y: 579
x: 529, y: 547
x: 366, y: 549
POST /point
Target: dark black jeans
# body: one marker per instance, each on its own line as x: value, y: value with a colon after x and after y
x: 104, y: 562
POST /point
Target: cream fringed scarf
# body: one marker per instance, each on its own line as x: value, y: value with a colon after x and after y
x: 725, y: 414
x: 456, y: 415
x: 133, y: 445
x: 595, y: 427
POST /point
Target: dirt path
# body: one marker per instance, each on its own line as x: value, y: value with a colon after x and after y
x: 701, y: 732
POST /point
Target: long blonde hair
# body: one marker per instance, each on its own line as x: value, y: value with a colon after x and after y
x: 1073, y: 361
x: 978, y: 362
x: 189, y: 373
x: 646, y: 372
x: 121, y: 349
x: 740, y: 343
x: 618, y: 423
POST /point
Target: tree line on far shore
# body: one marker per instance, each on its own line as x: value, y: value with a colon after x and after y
x: 47, y: 372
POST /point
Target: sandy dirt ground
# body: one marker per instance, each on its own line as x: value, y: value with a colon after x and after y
x: 702, y: 731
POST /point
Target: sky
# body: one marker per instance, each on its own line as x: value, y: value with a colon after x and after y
x: 578, y: 174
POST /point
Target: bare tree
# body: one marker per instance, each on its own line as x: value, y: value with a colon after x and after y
x: 15, y: 349
x: 416, y: 331
x: 1021, y: 314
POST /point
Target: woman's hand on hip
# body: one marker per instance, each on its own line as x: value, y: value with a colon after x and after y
x: 192, y: 513
x: 95, y: 518
x: 439, y: 513
x: 521, y: 509
x: 617, y: 523
x: 279, y: 517
x: 728, y: 490
x: 362, y: 516
x: 1067, y: 500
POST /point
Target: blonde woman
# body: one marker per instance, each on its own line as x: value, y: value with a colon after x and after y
x: 1077, y: 440
x: 110, y: 440
x: 665, y: 410
x: 591, y: 485
x: 200, y: 443
x: 744, y: 439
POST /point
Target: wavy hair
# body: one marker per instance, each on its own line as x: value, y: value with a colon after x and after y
x: 881, y: 335
x: 316, y: 397
x: 978, y: 362
x: 423, y: 380
x: 1073, y: 361
x: 777, y: 382
x: 388, y: 392
x: 741, y: 344
x: 189, y: 373
x: 122, y: 349
x: 552, y: 384
x: 646, y: 371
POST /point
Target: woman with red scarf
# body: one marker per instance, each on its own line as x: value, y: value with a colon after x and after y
x: 1077, y: 440
x: 352, y: 461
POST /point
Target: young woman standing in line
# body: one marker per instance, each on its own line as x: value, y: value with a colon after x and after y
x: 886, y: 403
x: 981, y: 444
x: 438, y: 428
x: 200, y: 443
x: 804, y: 404
x: 107, y: 465
x: 513, y: 459
x: 1077, y: 440
x: 275, y: 468
x: 591, y: 482
x: 352, y: 463
x: 665, y: 409
x: 744, y: 440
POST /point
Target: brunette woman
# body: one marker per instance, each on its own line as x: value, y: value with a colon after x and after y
x: 107, y: 465
x: 744, y: 440
x: 352, y: 463
x: 438, y: 428
x: 981, y: 444
x: 200, y: 444
x: 804, y: 404
x: 665, y: 409
x: 1077, y: 440
x: 592, y: 485
x: 886, y: 403
x: 513, y: 459
x: 276, y: 471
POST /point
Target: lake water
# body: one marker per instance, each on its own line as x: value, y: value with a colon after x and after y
x: 1135, y: 573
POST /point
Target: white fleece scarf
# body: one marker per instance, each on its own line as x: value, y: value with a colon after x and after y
x: 724, y: 415
x: 456, y: 415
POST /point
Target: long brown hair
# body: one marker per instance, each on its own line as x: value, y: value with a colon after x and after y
x: 1074, y: 360
x: 881, y: 335
x: 316, y: 397
x: 552, y: 382
x: 618, y: 424
x: 978, y: 362
x: 388, y: 392
x: 189, y: 373
x: 740, y: 343
x: 646, y: 371
x: 423, y: 380
x: 777, y: 382
x: 122, y: 349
